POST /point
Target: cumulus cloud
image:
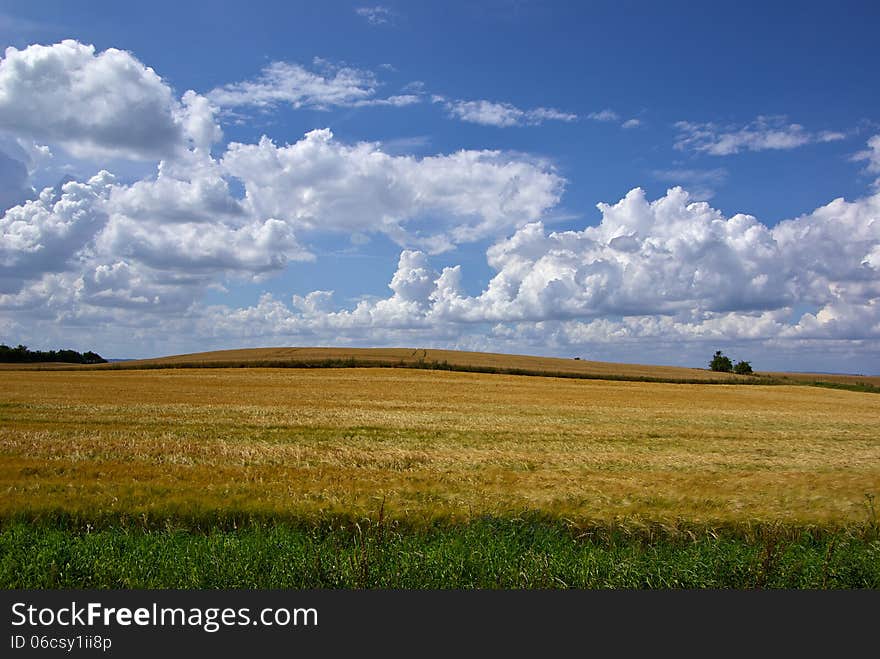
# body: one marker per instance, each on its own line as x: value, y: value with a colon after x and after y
x: 135, y: 258
x: 661, y: 277
x: 765, y: 133
x: 122, y: 285
x: 831, y: 253
x: 93, y: 251
x: 155, y: 243
x: 192, y: 190
x: 435, y: 202
x: 184, y: 227
x: 663, y: 257
x: 254, y: 248
x: 489, y: 113
x: 44, y: 234
x: 670, y: 270
x: 105, y: 104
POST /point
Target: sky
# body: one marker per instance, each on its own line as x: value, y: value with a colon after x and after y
x: 621, y: 181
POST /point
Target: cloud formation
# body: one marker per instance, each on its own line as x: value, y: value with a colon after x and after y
x: 652, y: 275
x: 872, y: 156
x: 377, y: 15
x: 105, y: 104
x: 663, y: 272
x: 489, y: 113
x: 327, y: 86
x: 44, y: 235
x: 133, y: 259
x: 765, y: 133
x: 435, y: 202
x: 604, y: 115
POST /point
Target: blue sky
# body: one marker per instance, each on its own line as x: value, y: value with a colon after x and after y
x: 438, y: 166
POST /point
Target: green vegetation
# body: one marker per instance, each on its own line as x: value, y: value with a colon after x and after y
x: 433, y: 366
x: 743, y: 368
x: 523, y: 552
x: 863, y: 387
x: 21, y: 355
x: 721, y: 363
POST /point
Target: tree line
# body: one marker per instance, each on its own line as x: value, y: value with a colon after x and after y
x: 21, y: 355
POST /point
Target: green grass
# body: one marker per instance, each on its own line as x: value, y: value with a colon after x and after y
x: 863, y: 387
x: 529, y: 552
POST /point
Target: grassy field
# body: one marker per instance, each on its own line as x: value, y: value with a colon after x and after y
x: 151, y: 454
x: 483, y: 553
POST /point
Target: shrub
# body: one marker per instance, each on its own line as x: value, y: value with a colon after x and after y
x: 743, y: 368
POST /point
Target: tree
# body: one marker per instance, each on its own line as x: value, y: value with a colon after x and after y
x: 93, y: 358
x: 743, y: 368
x: 721, y: 363
x: 21, y: 354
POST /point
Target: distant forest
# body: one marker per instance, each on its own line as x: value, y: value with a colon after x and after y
x: 21, y: 355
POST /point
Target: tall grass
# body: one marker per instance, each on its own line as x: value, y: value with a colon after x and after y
x: 510, y: 553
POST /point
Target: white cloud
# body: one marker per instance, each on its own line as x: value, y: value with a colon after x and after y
x: 254, y: 248
x: 765, y: 133
x: 187, y: 221
x: 104, y: 104
x: 198, y: 118
x: 377, y: 15
x: 396, y: 101
x: 155, y: 242
x: 44, y: 234
x: 607, y: 116
x: 668, y: 280
x: 436, y: 202
x: 669, y: 256
x: 668, y: 272
x: 604, y: 115
x: 831, y: 253
x: 131, y: 262
x: 191, y: 190
x: 872, y: 156
x: 325, y: 87
x: 489, y: 113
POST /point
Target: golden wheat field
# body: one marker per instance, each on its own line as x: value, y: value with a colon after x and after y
x: 431, y: 444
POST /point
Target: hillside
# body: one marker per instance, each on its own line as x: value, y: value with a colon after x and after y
x: 429, y: 357
x: 453, y: 360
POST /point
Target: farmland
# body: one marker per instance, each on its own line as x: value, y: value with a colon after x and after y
x: 208, y: 451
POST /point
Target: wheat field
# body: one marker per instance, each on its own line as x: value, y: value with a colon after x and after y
x: 431, y: 444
